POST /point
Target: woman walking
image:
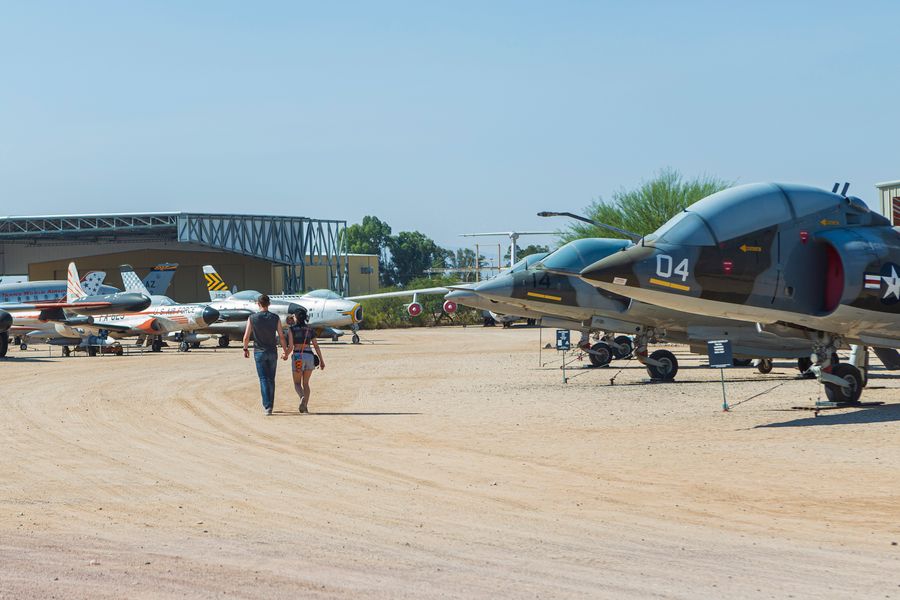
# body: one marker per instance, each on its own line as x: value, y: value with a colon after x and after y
x: 302, y: 338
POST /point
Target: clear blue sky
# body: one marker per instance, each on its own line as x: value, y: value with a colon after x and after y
x: 442, y: 117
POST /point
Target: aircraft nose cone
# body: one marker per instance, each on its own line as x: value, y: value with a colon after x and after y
x: 5, y: 321
x: 209, y: 315
x: 618, y: 268
x: 498, y: 288
x: 135, y: 302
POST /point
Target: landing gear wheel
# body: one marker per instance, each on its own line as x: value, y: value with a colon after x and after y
x: 803, y: 365
x: 627, y: 347
x: 119, y: 351
x: 156, y: 346
x: 224, y: 340
x: 355, y: 338
x: 531, y: 322
x: 668, y: 367
x: 851, y: 394
x: 4, y: 343
x: 765, y: 365
x: 742, y: 362
x: 195, y: 345
x: 184, y: 347
x: 335, y: 337
x: 601, y: 353
x: 23, y: 346
x: 67, y: 351
x: 92, y: 350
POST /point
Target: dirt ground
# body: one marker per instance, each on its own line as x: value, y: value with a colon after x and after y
x: 439, y: 463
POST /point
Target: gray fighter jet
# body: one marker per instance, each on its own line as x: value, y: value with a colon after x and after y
x: 552, y: 288
x: 796, y: 260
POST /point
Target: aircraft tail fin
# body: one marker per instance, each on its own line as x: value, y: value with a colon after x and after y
x: 890, y: 358
x: 74, y: 291
x: 159, y: 278
x: 92, y: 282
x: 214, y: 283
x: 131, y: 281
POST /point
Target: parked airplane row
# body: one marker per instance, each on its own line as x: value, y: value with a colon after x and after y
x: 85, y: 314
x: 783, y: 271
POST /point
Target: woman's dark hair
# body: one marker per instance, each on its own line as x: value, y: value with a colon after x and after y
x: 301, y: 315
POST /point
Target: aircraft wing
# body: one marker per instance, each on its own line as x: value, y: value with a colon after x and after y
x: 401, y: 293
x: 72, y: 306
x: 97, y: 327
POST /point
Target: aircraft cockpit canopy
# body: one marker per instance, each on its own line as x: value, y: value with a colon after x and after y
x: 525, y: 263
x: 744, y: 209
x: 247, y: 295
x: 323, y: 293
x: 577, y: 255
x: 165, y: 301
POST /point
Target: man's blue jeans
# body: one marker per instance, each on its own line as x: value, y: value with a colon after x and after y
x: 266, y: 362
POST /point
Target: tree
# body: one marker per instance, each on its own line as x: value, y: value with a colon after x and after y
x: 412, y: 253
x: 370, y: 237
x: 528, y: 251
x: 645, y: 209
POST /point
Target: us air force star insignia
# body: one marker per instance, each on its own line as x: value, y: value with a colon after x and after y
x: 892, y: 283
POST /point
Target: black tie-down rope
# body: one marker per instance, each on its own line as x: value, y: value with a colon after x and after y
x: 762, y: 393
x: 612, y: 380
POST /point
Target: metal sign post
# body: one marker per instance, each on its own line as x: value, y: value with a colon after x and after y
x: 563, y: 343
x: 721, y: 358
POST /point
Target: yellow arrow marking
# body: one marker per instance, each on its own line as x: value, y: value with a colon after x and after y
x: 828, y: 222
x: 746, y: 248
x: 545, y: 296
x: 669, y: 284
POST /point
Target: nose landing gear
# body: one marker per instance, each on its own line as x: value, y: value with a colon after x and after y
x: 661, y: 364
x: 843, y: 382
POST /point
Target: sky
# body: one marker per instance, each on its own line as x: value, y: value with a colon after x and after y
x: 445, y: 118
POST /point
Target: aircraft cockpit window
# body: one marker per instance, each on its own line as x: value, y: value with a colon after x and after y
x: 684, y: 228
x: 579, y: 254
x: 323, y: 293
x: 742, y: 210
x: 247, y: 295
x: 166, y: 301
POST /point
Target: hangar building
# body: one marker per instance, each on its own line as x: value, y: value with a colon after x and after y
x: 889, y: 200
x: 267, y: 253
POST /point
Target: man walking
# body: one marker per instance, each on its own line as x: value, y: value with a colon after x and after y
x: 265, y: 327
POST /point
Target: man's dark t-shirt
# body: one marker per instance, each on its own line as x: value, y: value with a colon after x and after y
x: 265, y: 330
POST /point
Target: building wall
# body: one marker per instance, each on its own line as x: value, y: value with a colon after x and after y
x: 188, y: 285
x: 889, y: 197
x: 363, y: 275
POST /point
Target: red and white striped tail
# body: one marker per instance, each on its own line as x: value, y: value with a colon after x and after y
x: 74, y: 291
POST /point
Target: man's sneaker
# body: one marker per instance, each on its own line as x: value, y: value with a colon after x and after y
x: 268, y: 412
x: 303, y: 409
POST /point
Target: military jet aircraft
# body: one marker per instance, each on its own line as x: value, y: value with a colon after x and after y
x: 78, y: 309
x: 172, y: 320
x: 797, y: 260
x: 552, y: 288
x: 461, y: 293
x: 328, y: 311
